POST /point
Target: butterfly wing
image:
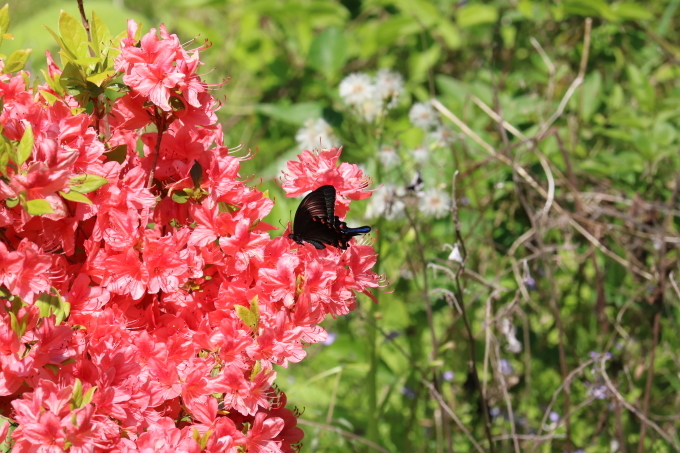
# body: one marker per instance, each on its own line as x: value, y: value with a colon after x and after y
x: 316, y: 223
x: 312, y: 221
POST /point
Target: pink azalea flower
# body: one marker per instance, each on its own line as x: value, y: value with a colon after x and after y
x: 264, y: 430
x: 316, y: 169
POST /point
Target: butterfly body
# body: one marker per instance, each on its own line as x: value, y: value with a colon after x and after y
x: 316, y: 223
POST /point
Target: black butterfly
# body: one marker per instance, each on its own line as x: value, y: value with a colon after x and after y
x: 315, y: 221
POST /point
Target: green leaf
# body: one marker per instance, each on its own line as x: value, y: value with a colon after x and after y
x: 77, y: 395
x: 73, y: 35
x: 100, y: 78
x: 591, y: 95
x: 49, y: 97
x: 16, y: 61
x: 246, y: 316
x: 115, y: 43
x: 452, y: 87
x: 664, y: 133
x: 38, y: 207
x: 53, y: 304
x: 642, y: 89
x: 477, y: 14
x: 250, y: 316
x: 632, y: 11
x: 53, y: 82
x: 393, y: 28
x: 87, y: 183
x: 18, y: 327
x: 25, y: 147
x: 590, y: 8
x: 421, y: 62
x: 618, y: 134
x: 71, y: 78
x: 87, y: 61
x: 117, y: 154
x: 295, y: 114
x: 327, y: 54
x: 99, y: 33
x: 4, y: 20
x: 87, y: 397
x: 449, y: 33
x: 180, y: 197
x: 75, y: 196
x: 426, y: 13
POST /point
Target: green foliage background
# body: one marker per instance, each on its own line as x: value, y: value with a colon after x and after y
x: 612, y: 152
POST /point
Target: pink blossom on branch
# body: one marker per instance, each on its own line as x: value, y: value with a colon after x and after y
x: 146, y: 312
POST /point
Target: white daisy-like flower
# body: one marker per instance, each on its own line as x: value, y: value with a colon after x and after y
x: 435, y: 203
x: 386, y: 201
x: 422, y: 115
x: 357, y: 88
x: 420, y: 154
x: 371, y: 108
x: 441, y: 137
x: 316, y: 134
x: 389, y: 86
x: 388, y: 156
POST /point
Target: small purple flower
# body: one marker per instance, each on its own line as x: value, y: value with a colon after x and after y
x: 505, y: 367
x: 495, y: 412
x: 392, y: 335
x: 530, y: 283
x: 599, y: 392
x: 408, y: 392
x: 448, y: 375
x: 598, y: 355
x: 554, y: 417
x: 330, y: 339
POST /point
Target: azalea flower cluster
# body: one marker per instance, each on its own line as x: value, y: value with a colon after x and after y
x: 145, y: 307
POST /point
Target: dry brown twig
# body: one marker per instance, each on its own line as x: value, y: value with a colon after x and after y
x: 506, y: 397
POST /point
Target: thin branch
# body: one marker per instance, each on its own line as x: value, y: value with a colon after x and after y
x: 453, y: 416
x: 508, y: 402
